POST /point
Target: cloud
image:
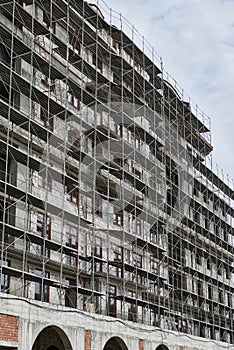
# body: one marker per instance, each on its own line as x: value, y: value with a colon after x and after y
x: 196, y: 40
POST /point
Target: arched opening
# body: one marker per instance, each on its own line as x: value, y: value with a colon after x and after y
x: 52, y: 338
x: 115, y: 343
x: 162, y: 347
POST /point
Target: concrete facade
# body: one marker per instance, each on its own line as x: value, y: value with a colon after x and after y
x: 81, y: 330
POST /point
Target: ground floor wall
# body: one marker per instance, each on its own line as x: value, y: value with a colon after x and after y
x: 28, y: 324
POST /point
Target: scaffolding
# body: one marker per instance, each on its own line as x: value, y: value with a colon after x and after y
x: 109, y: 201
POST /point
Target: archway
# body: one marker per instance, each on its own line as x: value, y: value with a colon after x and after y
x: 115, y: 343
x: 52, y: 338
x: 162, y: 347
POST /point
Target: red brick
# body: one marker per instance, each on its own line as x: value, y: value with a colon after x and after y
x: 87, y: 342
x: 141, y: 344
x: 9, y: 327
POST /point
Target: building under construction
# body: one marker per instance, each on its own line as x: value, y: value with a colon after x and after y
x: 116, y: 234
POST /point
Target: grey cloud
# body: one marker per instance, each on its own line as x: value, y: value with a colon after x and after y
x: 195, y: 40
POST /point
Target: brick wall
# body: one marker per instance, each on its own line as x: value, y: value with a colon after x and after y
x: 87, y: 342
x: 8, y: 328
x: 141, y: 344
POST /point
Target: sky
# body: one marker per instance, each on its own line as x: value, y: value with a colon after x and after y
x: 195, y: 39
